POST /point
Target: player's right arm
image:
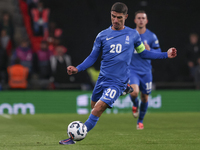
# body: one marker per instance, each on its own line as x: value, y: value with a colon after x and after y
x: 89, y: 61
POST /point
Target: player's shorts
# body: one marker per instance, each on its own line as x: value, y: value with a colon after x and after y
x: 143, y: 80
x: 107, y: 91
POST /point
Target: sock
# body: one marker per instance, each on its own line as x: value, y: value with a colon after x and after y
x: 135, y: 101
x: 91, y: 122
x: 143, y: 110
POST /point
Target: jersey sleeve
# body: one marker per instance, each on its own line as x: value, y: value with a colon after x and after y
x: 91, y: 59
x: 153, y: 55
x: 140, y: 48
x: 138, y: 45
x: 155, y: 46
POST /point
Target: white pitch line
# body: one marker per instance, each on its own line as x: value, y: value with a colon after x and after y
x: 6, y: 116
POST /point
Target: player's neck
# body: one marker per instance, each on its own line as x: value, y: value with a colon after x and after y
x: 121, y: 28
x: 141, y: 30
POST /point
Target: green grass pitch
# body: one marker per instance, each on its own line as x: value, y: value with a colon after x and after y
x: 162, y: 131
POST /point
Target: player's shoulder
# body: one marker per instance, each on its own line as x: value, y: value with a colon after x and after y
x: 131, y: 30
x: 105, y: 31
x: 150, y: 33
x: 101, y: 35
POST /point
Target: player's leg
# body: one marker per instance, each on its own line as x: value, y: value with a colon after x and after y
x: 134, y: 82
x: 145, y: 88
x: 92, y: 120
x: 93, y: 104
x: 134, y: 99
x: 98, y: 109
x: 109, y: 96
x: 97, y: 92
x: 107, y: 99
x: 143, y: 110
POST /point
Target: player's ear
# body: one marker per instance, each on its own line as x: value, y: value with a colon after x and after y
x: 147, y: 20
x: 134, y: 21
x: 126, y: 16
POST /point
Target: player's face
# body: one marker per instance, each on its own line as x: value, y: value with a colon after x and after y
x: 118, y: 20
x: 141, y: 20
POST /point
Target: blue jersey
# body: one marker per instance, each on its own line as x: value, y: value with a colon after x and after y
x: 139, y: 64
x: 117, y: 47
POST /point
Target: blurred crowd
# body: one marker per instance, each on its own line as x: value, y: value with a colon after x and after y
x: 22, y: 67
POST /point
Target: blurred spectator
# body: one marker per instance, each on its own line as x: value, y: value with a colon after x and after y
x: 25, y: 54
x: 192, y: 54
x: 17, y: 75
x: 40, y: 20
x: 58, y: 33
x: 59, y: 63
x: 3, y: 65
x: 197, y: 75
x: 53, y: 43
x: 6, y: 42
x: 50, y: 41
x: 54, y: 31
x: 42, y: 61
x: 6, y: 24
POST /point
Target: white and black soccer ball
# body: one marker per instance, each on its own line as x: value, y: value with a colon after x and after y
x: 77, y: 130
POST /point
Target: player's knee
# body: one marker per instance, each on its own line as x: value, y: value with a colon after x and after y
x: 144, y: 98
x: 134, y: 94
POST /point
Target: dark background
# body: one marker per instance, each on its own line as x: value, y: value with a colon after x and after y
x: 171, y: 21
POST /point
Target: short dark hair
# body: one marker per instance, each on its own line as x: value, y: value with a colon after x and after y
x: 120, y: 8
x: 140, y: 11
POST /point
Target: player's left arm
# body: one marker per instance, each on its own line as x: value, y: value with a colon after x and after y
x: 171, y: 53
x: 154, y: 45
x: 140, y: 48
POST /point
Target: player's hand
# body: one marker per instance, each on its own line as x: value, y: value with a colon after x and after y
x: 172, y: 52
x: 72, y: 70
x: 147, y: 47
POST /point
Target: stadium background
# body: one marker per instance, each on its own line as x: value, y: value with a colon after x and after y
x: 171, y: 21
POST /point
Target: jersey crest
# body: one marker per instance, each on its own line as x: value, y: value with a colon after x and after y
x: 127, y: 40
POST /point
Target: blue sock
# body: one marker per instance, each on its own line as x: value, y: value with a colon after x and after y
x: 143, y: 110
x: 91, y: 122
x: 135, y: 101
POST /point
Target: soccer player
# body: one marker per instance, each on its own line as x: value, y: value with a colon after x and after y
x: 116, y: 44
x: 140, y: 69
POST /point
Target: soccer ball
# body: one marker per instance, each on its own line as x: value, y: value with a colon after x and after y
x: 77, y: 130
